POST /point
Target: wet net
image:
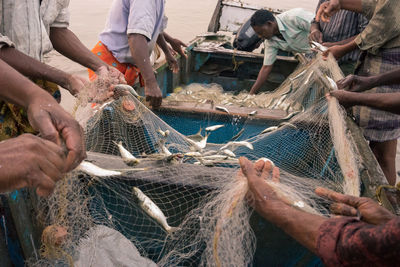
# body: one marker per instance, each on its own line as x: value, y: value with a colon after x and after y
x: 170, y: 193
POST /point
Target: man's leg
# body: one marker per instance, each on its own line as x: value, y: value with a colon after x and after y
x: 385, y: 153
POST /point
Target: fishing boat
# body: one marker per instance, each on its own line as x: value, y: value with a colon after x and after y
x: 211, y: 59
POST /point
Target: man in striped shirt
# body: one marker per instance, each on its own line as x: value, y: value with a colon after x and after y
x: 343, y: 27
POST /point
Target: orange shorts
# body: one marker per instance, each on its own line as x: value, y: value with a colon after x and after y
x: 130, y: 71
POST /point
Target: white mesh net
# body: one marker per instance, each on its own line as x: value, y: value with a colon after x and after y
x: 180, y: 200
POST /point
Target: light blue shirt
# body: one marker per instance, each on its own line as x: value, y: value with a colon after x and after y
x: 145, y: 17
x: 294, y: 25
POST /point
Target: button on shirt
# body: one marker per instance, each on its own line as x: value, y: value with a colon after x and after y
x: 294, y: 25
x: 145, y: 17
x: 27, y: 24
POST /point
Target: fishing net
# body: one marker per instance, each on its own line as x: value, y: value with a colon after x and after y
x: 190, y: 173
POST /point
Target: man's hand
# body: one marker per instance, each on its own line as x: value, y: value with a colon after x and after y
x: 261, y: 195
x: 327, y: 9
x: 30, y: 161
x: 316, y: 36
x: 346, y: 205
x: 56, y: 125
x: 172, y: 63
x: 337, y: 52
x: 178, y: 46
x: 153, y: 94
x: 356, y: 83
x: 346, y: 99
x: 76, y: 84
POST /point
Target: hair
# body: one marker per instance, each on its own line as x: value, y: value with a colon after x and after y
x: 261, y: 17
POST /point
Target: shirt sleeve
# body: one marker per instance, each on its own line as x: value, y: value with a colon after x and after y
x: 142, y: 18
x: 270, y: 52
x: 303, y: 20
x: 62, y: 20
x: 378, y: 31
x: 350, y: 242
x: 5, y: 41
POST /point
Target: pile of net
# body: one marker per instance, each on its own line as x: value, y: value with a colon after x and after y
x: 156, y: 196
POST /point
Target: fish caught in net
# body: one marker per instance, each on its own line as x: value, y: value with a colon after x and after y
x: 148, y: 194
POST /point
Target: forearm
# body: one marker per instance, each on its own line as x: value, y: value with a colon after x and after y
x: 345, y: 41
x: 140, y: 54
x: 287, y: 218
x: 384, y: 101
x: 67, y: 44
x: 386, y: 78
x: 33, y: 68
x: 163, y: 44
x: 261, y: 78
x: 167, y: 37
x: 351, y: 5
x: 17, y: 89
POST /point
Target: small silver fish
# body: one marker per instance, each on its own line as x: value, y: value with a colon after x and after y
x: 94, y: 170
x: 269, y: 129
x: 235, y: 144
x: 332, y: 83
x: 193, y: 154
x: 229, y: 153
x: 254, y: 112
x: 165, y: 150
x: 198, y: 141
x: 288, y: 124
x: 222, y: 109
x: 153, y: 210
x: 127, y: 157
x: 291, y: 115
x: 125, y: 87
x: 215, y: 157
x: 215, y: 127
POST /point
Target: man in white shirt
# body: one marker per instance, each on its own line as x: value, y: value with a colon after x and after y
x: 132, y: 29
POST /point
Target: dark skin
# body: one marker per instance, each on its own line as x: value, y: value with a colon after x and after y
x: 44, y: 114
x: 140, y: 54
x: 266, y: 31
x: 326, y: 10
x: 67, y: 44
x: 35, y: 69
x: 40, y: 164
x: 301, y: 225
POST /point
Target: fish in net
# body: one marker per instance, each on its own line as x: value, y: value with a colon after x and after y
x: 181, y: 201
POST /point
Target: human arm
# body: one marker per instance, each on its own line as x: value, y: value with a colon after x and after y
x: 30, y: 161
x: 346, y: 205
x: 300, y: 225
x: 261, y: 78
x: 139, y: 51
x: 384, y: 101
x: 315, y: 33
x: 342, y: 42
x: 362, y: 83
x: 44, y: 113
x: 339, y: 51
x: 67, y: 44
x: 327, y: 9
x: 171, y: 60
x: 176, y: 44
x: 35, y: 69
